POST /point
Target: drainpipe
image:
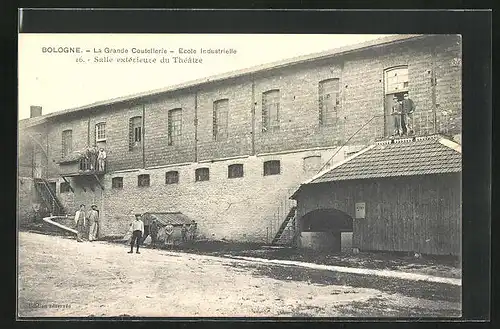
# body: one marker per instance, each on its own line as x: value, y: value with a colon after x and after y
x: 143, y: 136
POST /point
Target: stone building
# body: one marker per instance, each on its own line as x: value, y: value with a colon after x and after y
x: 228, y: 151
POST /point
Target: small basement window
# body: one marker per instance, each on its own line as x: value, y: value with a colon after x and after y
x: 202, y: 174
x: 235, y: 171
x: 64, y: 187
x: 172, y: 177
x: 117, y: 182
x: 272, y: 167
x: 143, y: 180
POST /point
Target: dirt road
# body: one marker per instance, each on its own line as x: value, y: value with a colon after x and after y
x: 60, y: 277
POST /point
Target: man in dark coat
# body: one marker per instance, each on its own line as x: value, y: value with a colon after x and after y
x: 396, y: 116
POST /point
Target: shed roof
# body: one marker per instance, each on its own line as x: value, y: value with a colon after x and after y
x: 395, y: 158
x: 165, y: 218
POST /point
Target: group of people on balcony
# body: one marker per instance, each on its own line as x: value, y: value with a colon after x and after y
x: 402, y: 113
x: 94, y: 159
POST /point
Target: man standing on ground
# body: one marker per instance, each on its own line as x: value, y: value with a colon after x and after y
x: 184, y: 233
x: 80, y: 222
x: 137, y: 232
x: 93, y: 217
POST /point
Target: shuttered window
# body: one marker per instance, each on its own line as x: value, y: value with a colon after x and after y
x: 271, y: 110
x: 272, y: 167
x: 220, y: 117
x: 235, y: 171
x: 67, y: 142
x: 329, y: 101
x: 172, y: 177
x: 174, y: 126
x: 202, y: 174
x: 117, y: 182
x: 143, y: 180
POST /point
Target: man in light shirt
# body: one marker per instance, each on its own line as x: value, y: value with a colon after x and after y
x: 137, y: 232
x: 80, y: 222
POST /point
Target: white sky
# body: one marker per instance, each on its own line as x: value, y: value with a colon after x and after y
x: 57, y: 82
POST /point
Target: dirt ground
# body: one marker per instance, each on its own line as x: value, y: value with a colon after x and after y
x: 60, y: 277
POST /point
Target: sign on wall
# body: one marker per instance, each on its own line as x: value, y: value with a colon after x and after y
x: 360, y: 210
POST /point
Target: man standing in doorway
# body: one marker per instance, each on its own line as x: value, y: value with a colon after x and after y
x: 408, y: 107
x: 93, y: 217
x: 80, y: 222
x: 137, y: 232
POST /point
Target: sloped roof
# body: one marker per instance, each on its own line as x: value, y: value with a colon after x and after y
x: 399, y: 157
x: 234, y: 74
x: 165, y: 218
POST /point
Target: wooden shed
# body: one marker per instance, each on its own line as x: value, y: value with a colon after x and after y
x: 399, y: 194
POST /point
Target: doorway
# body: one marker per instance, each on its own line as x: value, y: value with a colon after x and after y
x: 396, y: 83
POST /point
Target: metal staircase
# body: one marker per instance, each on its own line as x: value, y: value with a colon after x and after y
x: 285, y: 233
x: 49, y: 197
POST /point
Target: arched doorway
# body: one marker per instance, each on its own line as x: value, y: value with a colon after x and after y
x: 327, y: 230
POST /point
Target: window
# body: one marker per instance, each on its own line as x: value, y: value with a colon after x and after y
x: 329, y: 101
x: 174, y: 126
x: 64, y: 187
x: 272, y: 167
x: 143, y: 180
x: 135, y: 133
x: 202, y: 174
x: 117, y: 182
x: 221, y: 109
x: 172, y: 177
x: 270, y: 110
x: 67, y: 142
x: 235, y: 171
x: 396, y: 80
x: 100, y: 132
x: 312, y: 163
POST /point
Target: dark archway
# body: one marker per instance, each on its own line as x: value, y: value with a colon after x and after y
x: 326, y: 220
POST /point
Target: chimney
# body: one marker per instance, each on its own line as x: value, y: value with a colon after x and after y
x: 35, y: 111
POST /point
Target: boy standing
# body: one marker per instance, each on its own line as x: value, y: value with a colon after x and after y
x: 137, y: 232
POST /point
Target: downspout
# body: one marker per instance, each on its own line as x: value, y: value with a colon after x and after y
x: 253, y: 115
x: 88, y: 132
x: 143, y: 136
